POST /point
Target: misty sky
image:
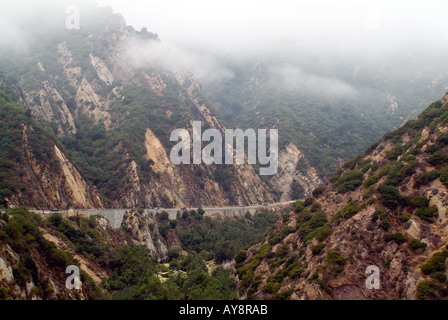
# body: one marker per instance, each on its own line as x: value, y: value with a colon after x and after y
x: 198, y: 35
x: 234, y: 25
x: 249, y: 26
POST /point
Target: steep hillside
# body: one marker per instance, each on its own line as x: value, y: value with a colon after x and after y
x: 386, y: 208
x: 34, y: 169
x: 113, y: 107
x: 329, y: 106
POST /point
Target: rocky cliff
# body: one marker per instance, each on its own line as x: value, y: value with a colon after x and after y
x: 294, y: 183
x: 36, y: 171
x: 112, y: 105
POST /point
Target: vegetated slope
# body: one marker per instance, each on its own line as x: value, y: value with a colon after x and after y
x: 113, y: 106
x: 34, y: 169
x: 149, y: 257
x: 331, y: 107
x: 386, y: 208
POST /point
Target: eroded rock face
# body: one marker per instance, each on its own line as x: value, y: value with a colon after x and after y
x: 47, y: 105
x: 287, y: 174
x: 55, y: 184
x: 144, y: 230
x: 101, y: 70
x: 5, y: 271
x: 75, y: 184
x: 91, y: 83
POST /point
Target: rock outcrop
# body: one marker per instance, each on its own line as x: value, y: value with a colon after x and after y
x: 288, y: 174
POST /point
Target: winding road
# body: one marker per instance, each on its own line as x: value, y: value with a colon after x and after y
x: 115, y: 216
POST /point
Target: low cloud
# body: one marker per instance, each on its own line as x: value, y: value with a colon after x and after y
x: 176, y: 59
x: 289, y: 77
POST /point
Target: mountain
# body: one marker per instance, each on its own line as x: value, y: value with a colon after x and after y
x: 386, y: 208
x: 110, y: 107
x: 329, y: 105
x: 111, y: 96
x: 85, y: 122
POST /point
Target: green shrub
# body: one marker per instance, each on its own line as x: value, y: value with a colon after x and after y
x: 390, y: 196
x: 395, y: 152
x: 443, y: 139
x: 298, y: 206
x: 436, y: 263
x: 353, y: 162
x: 369, y: 166
x: 309, y: 201
x: 398, y: 238
x: 427, y: 177
x: 336, y: 176
x: 323, y: 232
x: 432, y: 175
x: 409, y: 157
x: 281, y: 252
x: 283, y: 295
x: 432, y: 149
x: 417, y: 246
x: 375, y: 217
x: 349, y: 181
x: 317, y: 248
x: 437, y: 158
x: 426, y: 290
x: 444, y: 176
x: 419, y: 202
x: 163, y: 229
x: 279, y: 236
x: 164, y: 216
x: 295, y: 271
x: 372, y: 148
x: 55, y: 219
x: 271, y: 287
x: 241, y: 256
x: 335, y: 261
x: 348, y: 211
x: 439, y: 276
x: 428, y: 213
x: 246, y: 272
x: 318, y: 191
x: 274, y: 282
x: 173, y: 254
x: 374, y: 178
x: 310, y: 225
x: 399, y: 172
x: 316, y: 206
x: 405, y: 217
x: 385, y: 225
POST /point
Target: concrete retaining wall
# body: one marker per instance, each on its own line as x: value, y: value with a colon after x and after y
x: 115, y: 216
